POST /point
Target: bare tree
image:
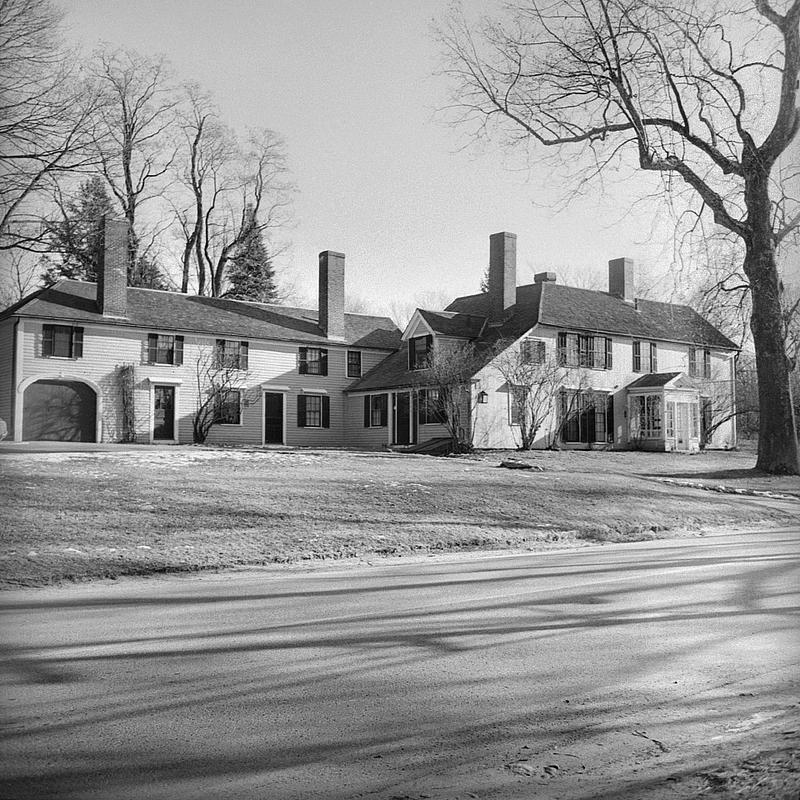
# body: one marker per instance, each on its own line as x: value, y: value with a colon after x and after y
x: 705, y: 95
x: 219, y: 377
x: 21, y: 271
x: 137, y: 127
x: 46, y: 116
x: 534, y: 380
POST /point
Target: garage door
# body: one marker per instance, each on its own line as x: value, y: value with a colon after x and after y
x: 62, y: 411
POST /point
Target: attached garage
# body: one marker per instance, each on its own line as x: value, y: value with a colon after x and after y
x: 59, y: 410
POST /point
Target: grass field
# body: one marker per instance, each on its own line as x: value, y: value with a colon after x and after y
x: 82, y: 515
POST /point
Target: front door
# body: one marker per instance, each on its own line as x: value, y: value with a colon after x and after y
x: 682, y: 426
x: 403, y: 428
x: 273, y: 418
x: 164, y: 413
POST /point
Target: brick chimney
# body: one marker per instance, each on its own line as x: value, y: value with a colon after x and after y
x: 331, y: 294
x: 502, y: 275
x: 545, y: 277
x: 620, y: 278
x: 112, y: 275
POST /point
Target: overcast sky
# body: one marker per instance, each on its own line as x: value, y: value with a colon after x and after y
x: 351, y: 85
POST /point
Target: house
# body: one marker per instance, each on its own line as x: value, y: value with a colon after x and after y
x: 106, y: 362
x: 624, y: 373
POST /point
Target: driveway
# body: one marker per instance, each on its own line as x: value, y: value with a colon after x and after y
x: 607, y: 672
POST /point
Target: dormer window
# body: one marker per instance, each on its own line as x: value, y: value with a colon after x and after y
x: 419, y: 348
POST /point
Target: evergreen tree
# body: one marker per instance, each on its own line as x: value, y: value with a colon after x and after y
x: 77, y: 239
x: 250, y: 272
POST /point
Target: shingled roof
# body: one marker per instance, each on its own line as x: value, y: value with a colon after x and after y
x: 549, y: 303
x: 75, y: 301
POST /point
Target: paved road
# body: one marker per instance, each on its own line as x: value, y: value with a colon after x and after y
x: 573, y: 674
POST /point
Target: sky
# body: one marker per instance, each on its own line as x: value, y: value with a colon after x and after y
x: 352, y: 87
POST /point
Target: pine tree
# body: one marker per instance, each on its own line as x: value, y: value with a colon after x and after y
x: 250, y: 272
x: 77, y: 239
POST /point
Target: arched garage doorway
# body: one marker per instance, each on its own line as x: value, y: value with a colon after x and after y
x: 59, y: 410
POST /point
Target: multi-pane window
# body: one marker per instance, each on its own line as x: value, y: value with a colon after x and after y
x: 586, y: 416
x: 62, y: 341
x: 231, y: 354
x: 418, y: 349
x: 228, y: 407
x: 313, y: 411
x: 430, y: 407
x: 353, y: 363
x: 376, y: 408
x: 532, y: 351
x: 646, y: 416
x: 584, y: 350
x: 313, y: 361
x: 699, y: 363
x: 645, y: 357
x: 164, y: 349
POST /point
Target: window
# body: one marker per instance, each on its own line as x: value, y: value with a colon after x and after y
x: 514, y: 406
x: 646, y: 416
x: 62, y: 341
x: 228, y: 407
x: 353, y: 363
x: 418, y: 349
x: 580, y: 350
x: 645, y: 357
x: 313, y: 411
x: 699, y: 363
x: 430, y: 409
x: 586, y: 416
x: 164, y: 349
x: 231, y: 354
x: 313, y: 361
x: 532, y: 351
x: 376, y: 410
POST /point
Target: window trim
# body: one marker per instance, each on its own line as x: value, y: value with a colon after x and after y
x: 304, y: 361
x: 218, y: 403
x: 358, y: 353
x: 652, y: 356
x: 413, y: 357
x: 221, y: 356
x: 302, y: 410
x: 76, y: 338
x: 580, y: 350
x: 376, y: 403
x: 430, y: 412
x: 177, y: 350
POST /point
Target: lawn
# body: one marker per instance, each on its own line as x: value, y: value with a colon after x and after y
x: 82, y: 515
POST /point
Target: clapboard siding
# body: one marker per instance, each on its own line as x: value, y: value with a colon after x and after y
x: 356, y: 435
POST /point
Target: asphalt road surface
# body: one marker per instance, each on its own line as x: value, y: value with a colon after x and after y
x: 605, y: 672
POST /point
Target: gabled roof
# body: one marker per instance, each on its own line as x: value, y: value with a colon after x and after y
x: 75, y: 301
x: 549, y: 303
x: 451, y: 323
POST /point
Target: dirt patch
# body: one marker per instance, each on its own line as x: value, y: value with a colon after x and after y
x: 76, y: 516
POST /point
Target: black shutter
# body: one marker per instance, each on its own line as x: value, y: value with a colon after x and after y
x: 653, y: 357
x: 177, y: 358
x: 219, y: 354
x: 303, y: 365
x: 301, y: 411
x: 562, y: 347
x: 244, y: 357
x: 326, y: 411
x: 323, y: 364
x: 367, y: 411
x: 47, y: 340
x: 152, y: 347
x: 637, y: 356
x: 610, y: 417
x: 77, y: 342
x: 411, y: 355
x: 384, y: 406
x: 609, y: 355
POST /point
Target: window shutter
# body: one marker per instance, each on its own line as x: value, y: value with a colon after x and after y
x: 540, y: 353
x: 77, y: 342
x: 367, y: 410
x: 152, y: 347
x: 47, y: 340
x: 610, y: 416
x: 177, y: 358
x: 301, y: 411
x: 219, y: 354
x: 562, y: 348
x: 653, y: 357
x: 326, y: 411
x: 384, y: 406
x: 609, y: 355
x: 637, y: 356
x: 303, y: 366
x: 692, y: 362
x: 244, y: 355
x: 323, y: 366
x: 706, y: 363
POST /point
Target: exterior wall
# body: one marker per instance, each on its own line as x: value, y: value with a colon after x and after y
x: 6, y: 374
x: 272, y: 366
x: 355, y: 434
x: 492, y: 428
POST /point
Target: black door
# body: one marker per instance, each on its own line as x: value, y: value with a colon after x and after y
x: 164, y: 412
x: 273, y: 418
x: 402, y: 418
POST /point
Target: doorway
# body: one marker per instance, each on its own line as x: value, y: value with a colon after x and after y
x: 163, y: 413
x: 273, y: 418
x: 404, y: 418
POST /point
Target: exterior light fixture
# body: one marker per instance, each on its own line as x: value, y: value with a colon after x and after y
x: 483, y: 397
